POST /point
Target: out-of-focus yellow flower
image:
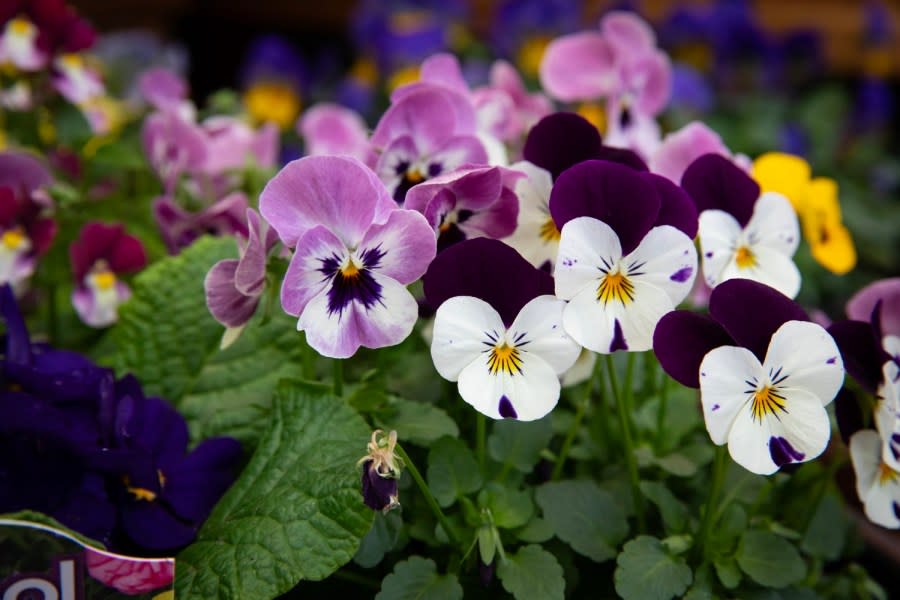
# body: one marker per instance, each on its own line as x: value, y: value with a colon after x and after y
x: 816, y: 203
x: 365, y: 70
x: 403, y: 76
x: 595, y: 114
x: 2, y: 140
x: 273, y: 101
x: 531, y: 52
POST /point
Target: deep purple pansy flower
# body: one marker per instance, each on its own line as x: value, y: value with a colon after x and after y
x: 626, y: 255
x: 100, y: 254
x: 498, y: 330
x: 742, y: 233
x: 764, y: 371
x: 355, y: 252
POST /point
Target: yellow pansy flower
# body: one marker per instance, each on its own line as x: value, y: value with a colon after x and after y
x: 403, y: 76
x: 816, y: 203
x: 273, y: 101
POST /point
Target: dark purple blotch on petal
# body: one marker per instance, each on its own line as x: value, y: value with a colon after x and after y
x: 782, y: 452
x: 506, y: 409
x: 682, y: 275
x: 615, y: 194
x: 379, y: 493
x: 714, y: 182
x: 487, y: 269
x: 561, y: 140
x: 358, y: 287
x: 752, y: 312
x: 896, y: 510
x: 861, y: 350
x: 676, y: 208
x: 681, y: 340
x: 618, y: 340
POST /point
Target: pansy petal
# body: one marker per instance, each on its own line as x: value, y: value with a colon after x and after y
x: 751, y: 312
x: 250, y: 275
x: 623, y: 156
x: 533, y: 237
x: 771, y: 268
x: 719, y: 232
x: 667, y: 259
x: 151, y: 526
x: 496, y: 221
x: 676, y: 207
x: 879, y: 495
x: 680, y: 148
x: 404, y: 246
x: 714, y: 182
x: 807, y: 358
x: 861, y: 352
x: 598, y: 189
x: 338, y: 192
x: 527, y: 395
x: 724, y: 372
x: 457, y: 151
x: 627, y: 32
x: 887, y: 291
x: 786, y: 174
x: 540, y: 331
x: 228, y: 305
x: 579, y: 66
x: 305, y: 277
x: 585, y: 245
x: 334, y: 129
x: 682, y: 339
x: 774, y: 224
x: 561, y: 140
x: 461, y: 326
x: 865, y: 454
x: 428, y: 114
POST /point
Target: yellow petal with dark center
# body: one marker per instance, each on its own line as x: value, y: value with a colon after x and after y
x: 833, y: 248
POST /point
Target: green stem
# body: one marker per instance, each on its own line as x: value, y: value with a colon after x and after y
x: 338, y: 377
x: 480, y: 435
x: 429, y: 497
x: 630, y: 461
x: 573, y: 430
x: 720, y: 467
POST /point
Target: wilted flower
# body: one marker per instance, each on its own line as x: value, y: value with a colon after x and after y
x: 380, y: 472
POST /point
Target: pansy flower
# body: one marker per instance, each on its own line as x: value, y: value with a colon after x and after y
x: 468, y: 202
x: 742, y: 233
x: 626, y: 255
x: 272, y: 77
x: 76, y: 81
x: 877, y: 483
x: 234, y: 286
x: 26, y: 230
x: 498, y: 330
x: 179, y: 228
x: 99, y: 256
x: 19, y: 45
x: 504, y: 107
x: 536, y: 237
x: 355, y: 252
x: 173, y: 146
x: 764, y: 371
x: 231, y: 144
x: 333, y: 129
x: 816, y: 202
x: 681, y: 148
x: 166, y: 91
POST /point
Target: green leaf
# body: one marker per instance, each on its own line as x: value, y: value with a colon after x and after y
x: 168, y: 339
x: 381, y: 539
x: 702, y: 588
x: 584, y: 516
x: 417, y: 422
x: 645, y: 571
x: 770, y: 560
x: 417, y: 578
x: 42, y: 519
x: 728, y: 572
x: 532, y: 572
x: 674, y: 513
x: 537, y: 530
x: 295, y: 512
x: 509, y: 508
x: 519, y: 443
x: 452, y: 470
x: 729, y: 528
x: 827, y: 532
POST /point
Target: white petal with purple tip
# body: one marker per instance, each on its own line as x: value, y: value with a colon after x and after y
x: 665, y: 258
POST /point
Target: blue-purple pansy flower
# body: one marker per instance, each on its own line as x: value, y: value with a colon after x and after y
x: 764, y: 371
x: 626, y: 255
x: 355, y: 253
x: 498, y: 330
x: 742, y: 233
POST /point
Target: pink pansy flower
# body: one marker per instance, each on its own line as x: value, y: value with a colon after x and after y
x: 78, y: 83
x: 234, y: 286
x: 355, y: 253
x: 231, y: 143
x: 504, y: 107
x: 130, y: 575
x: 179, y: 227
x: 334, y: 129
x: 173, y: 146
x: 680, y: 148
x: 19, y: 46
x: 166, y: 91
x: 100, y: 254
x: 887, y: 293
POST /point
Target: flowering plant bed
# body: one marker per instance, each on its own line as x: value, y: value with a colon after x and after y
x: 508, y: 340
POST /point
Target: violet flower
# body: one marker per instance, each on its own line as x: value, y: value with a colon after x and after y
x: 230, y: 143
x: 173, y: 146
x: 504, y: 107
x: 682, y: 147
x: 166, y: 91
x: 354, y: 254
x: 179, y: 228
x: 764, y: 371
x: 333, y: 129
x: 99, y: 255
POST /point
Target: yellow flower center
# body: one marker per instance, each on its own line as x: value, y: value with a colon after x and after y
x: 403, y: 76
x: 71, y: 61
x: 615, y: 287
x: 886, y: 474
x: 549, y: 232
x: 414, y: 176
x: 350, y: 270
x: 272, y: 101
x: 409, y: 21
x: 744, y: 258
x: 594, y: 113
x: 104, y: 280
x: 13, y: 239
x: 21, y: 26
x: 504, y: 359
x: 531, y: 52
x: 365, y: 70
x: 766, y: 402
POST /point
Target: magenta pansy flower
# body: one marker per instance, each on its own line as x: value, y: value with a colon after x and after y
x: 127, y: 574
x: 174, y: 146
x: 19, y: 45
x: 231, y: 143
x: 354, y: 254
x: 166, y: 91
x: 100, y: 254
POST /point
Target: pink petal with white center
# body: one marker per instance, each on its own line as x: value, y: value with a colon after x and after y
x: 407, y: 242
x: 539, y: 329
x: 496, y: 113
x: 877, y: 485
x: 642, y: 135
x: 666, y: 259
x: 585, y: 245
x: 723, y: 374
x: 338, y: 192
x: 19, y: 45
x: 334, y: 129
x: 304, y: 279
x: 461, y: 326
x: 578, y: 67
x: 807, y: 357
x: 680, y: 148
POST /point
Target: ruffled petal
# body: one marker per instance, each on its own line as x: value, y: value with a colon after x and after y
x: 585, y: 245
x: 774, y: 224
x: 666, y: 258
x: 682, y: 339
x: 579, y: 66
x: 807, y: 358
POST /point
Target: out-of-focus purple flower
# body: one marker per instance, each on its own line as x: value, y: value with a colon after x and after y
x: 179, y: 228
x: 26, y: 230
x: 863, y: 303
x: 680, y: 148
x: 232, y: 143
x: 468, y: 202
x: 333, y: 129
x: 166, y: 91
x: 173, y: 146
x: 504, y: 107
x: 355, y: 252
x: 690, y: 90
x: 234, y: 286
x: 77, y: 82
x: 100, y: 254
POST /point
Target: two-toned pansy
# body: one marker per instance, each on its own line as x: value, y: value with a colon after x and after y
x: 19, y: 47
x: 498, y: 330
x: 100, y: 254
x: 468, y: 202
x: 75, y: 80
x: 355, y: 252
x: 877, y: 483
x: 626, y: 255
x: 816, y: 202
x: 742, y: 233
x: 764, y: 371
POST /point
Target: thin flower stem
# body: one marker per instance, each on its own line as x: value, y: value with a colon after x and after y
x: 576, y: 425
x: 720, y: 467
x: 630, y: 461
x: 429, y: 497
x: 337, y: 374
x: 480, y: 433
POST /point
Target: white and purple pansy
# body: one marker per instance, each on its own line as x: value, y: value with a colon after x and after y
x: 742, y: 233
x: 626, y: 255
x: 877, y: 483
x: 468, y: 202
x: 887, y: 411
x: 498, y: 330
x: 354, y: 254
x: 19, y: 46
x: 764, y: 371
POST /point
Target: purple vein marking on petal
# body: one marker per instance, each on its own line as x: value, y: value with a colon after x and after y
x: 618, y: 341
x: 709, y: 255
x: 782, y: 452
x: 682, y: 275
x: 360, y: 286
x: 506, y: 409
x: 715, y: 407
x: 831, y: 360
